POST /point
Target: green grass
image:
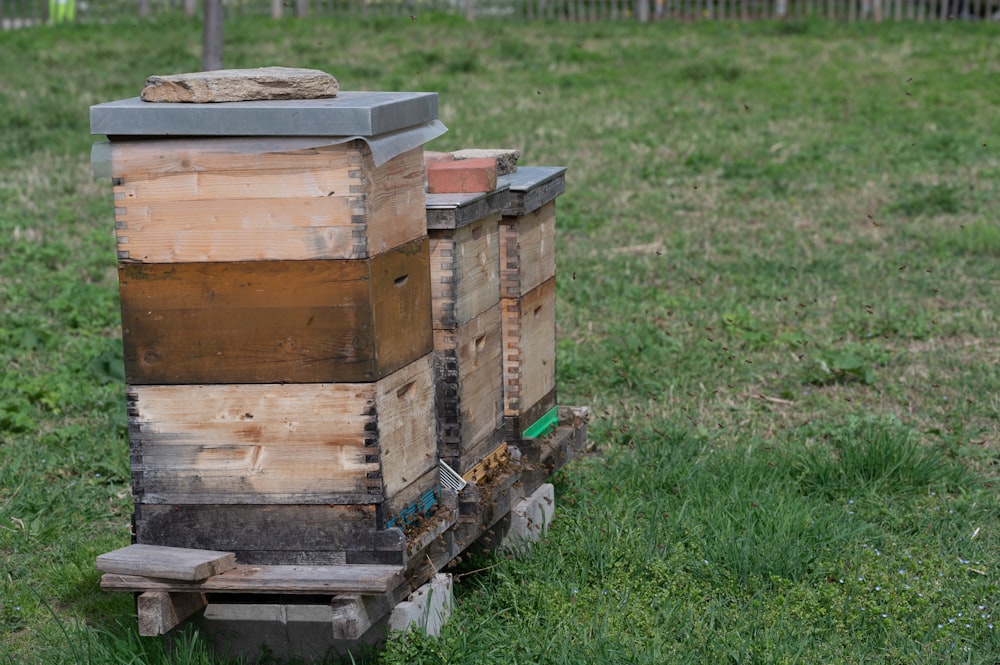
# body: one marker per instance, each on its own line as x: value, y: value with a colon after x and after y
x: 778, y: 289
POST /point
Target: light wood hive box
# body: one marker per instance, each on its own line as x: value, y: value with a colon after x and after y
x: 276, y: 319
x: 528, y: 296
x: 465, y: 289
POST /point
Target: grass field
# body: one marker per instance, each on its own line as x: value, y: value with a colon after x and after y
x: 779, y: 278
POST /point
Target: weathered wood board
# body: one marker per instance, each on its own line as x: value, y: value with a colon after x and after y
x: 274, y: 533
x: 167, y: 562
x: 469, y: 384
x: 529, y: 355
x: 531, y: 187
x: 338, y: 443
x: 276, y: 321
x: 407, y: 446
x: 527, y: 250
x: 465, y: 271
x: 161, y: 611
x: 371, y: 579
x: 198, y: 200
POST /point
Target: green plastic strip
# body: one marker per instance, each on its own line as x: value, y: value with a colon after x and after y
x: 543, y: 425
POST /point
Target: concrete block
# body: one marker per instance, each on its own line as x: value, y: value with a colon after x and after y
x: 530, y: 518
x: 428, y: 608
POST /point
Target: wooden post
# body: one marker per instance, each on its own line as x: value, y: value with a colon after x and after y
x: 301, y: 8
x: 211, y: 58
x: 275, y: 9
x: 642, y: 11
x: 142, y: 8
x: 190, y: 8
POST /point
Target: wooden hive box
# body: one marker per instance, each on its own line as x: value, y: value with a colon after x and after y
x: 276, y: 321
x: 465, y: 290
x: 283, y: 473
x: 276, y: 318
x: 528, y: 298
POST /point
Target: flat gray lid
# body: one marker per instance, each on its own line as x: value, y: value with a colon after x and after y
x: 531, y: 187
x: 451, y: 211
x: 347, y: 114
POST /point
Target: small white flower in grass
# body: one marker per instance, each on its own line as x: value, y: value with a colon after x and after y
x: 878, y: 588
x: 884, y: 615
x: 940, y: 625
x: 951, y: 620
x: 902, y: 572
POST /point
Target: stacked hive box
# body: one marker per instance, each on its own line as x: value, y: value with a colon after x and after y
x: 465, y: 290
x: 528, y: 298
x: 276, y: 318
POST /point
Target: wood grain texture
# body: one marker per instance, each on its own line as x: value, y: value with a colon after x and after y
x: 273, y: 534
x: 407, y: 445
x: 529, y: 347
x: 173, y: 563
x: 276, y: 321
x: 198, y: 200
x: 527, y: 250
x: 159, y: 612
x: 465, y: 274
x: 274, y: 579
x: 254, y: 443
x: 531, y: 187
x: 469, y: 384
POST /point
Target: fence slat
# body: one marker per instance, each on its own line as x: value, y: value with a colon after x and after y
x: 19, y: 13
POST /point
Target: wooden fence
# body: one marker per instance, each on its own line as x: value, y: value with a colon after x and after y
x: 20, y: 13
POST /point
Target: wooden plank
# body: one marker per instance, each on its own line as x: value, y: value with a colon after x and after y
x: 253, y: 443
x: 531, y: 187
x: 167, y: 562
x: 407, y: 446
x: 149, y: 160
x: 277, y: 579
x: 527, y: 250
x: 232, y: 200
x: 276, y: 321
x: 469, y: 386
x: 394, y: 200
x: 269, y: 533
x: 160, y: 612
x: 529, y: 348
x: 242, y: 230
x: 451, y: 211
x: 401, y: 307
x: 465, y: 274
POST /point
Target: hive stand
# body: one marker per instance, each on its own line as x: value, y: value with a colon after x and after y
x: 307, y: 611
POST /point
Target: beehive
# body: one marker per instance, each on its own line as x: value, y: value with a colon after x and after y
x: 528, y: 298
x: 276, y: 316
x: 465, y: 289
